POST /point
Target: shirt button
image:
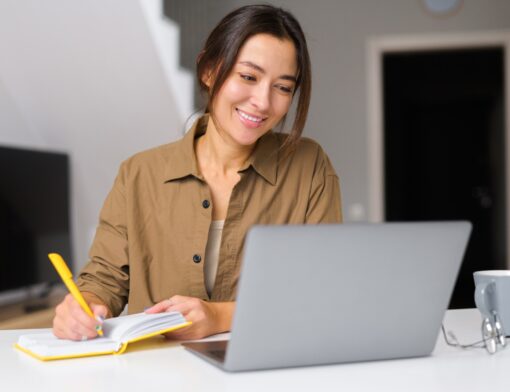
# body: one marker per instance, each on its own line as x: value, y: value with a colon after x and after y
x: 206, y: 204
x: 197, y: 259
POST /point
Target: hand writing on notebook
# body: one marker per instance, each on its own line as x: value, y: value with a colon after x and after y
x: 71, y: 321
x: 208, y: 318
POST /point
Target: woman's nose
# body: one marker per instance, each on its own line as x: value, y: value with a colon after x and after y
x: 261, y: 97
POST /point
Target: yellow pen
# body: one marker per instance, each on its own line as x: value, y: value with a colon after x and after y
x: 67, y: 277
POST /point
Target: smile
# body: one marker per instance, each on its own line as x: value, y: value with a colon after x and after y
x: 249, y: 117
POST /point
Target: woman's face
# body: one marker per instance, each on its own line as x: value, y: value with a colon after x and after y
x: 258, y: 92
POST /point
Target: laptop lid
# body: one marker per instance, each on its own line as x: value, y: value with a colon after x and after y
x: 321, y: 294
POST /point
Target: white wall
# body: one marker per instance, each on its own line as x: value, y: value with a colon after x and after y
x: 83, y: 77
x: 14, y: 129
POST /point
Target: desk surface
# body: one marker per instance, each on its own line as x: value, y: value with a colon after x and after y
x: 166, y: 366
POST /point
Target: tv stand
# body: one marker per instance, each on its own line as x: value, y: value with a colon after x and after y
x: 31, y: 312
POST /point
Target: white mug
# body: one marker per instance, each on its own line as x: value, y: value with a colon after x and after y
x: 492, y: 295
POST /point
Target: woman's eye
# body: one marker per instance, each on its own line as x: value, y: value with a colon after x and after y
x: 284, y: 89
x: 249, y: 78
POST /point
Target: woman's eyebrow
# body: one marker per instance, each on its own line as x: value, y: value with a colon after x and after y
x: 262, y: 70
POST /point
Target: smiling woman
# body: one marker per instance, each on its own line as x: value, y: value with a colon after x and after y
x: 256, y: 94
x: 171, y: 232
x: 231, y: 45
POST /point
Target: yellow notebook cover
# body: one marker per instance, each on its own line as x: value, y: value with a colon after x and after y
x: 118, y: 333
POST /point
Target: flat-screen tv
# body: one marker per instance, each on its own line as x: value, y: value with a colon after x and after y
x: 34, y: 217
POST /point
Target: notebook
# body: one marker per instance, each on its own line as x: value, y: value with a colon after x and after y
x: 323, y: 294
x: 118, y: 333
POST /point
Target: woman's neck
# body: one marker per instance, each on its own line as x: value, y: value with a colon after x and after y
x: 215, y: 150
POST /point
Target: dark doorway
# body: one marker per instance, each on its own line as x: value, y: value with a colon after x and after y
x: 444, y: 149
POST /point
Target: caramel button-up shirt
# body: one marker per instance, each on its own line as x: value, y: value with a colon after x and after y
x: 153, y: 228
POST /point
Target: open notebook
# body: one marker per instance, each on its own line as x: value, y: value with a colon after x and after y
x: 118, y: 333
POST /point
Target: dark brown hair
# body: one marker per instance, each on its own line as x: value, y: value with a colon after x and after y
x: 226, y: 40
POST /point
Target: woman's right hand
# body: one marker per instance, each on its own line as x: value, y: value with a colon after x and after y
x: 71, y: 321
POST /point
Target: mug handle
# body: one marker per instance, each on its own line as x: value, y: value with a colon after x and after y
x: 483, y: 298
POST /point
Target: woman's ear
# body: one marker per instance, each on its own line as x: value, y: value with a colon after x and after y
x: 207, y: 78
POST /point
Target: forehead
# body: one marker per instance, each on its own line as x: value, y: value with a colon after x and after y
x: 275, y: 55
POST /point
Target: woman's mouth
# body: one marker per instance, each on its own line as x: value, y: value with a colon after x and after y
x: 250, y: 120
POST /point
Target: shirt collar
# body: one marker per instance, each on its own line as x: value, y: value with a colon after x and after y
x: 184, y: 163
x: 264, y: 159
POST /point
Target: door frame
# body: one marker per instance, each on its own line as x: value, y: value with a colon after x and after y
x: 376, y: 48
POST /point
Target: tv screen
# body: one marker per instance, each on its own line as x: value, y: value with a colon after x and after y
x: 34, y: 216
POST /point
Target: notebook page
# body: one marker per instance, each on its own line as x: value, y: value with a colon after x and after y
x: 125, y: 328
x: 47, y: 345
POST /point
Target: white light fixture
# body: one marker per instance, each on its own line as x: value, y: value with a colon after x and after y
x: 442, y: 8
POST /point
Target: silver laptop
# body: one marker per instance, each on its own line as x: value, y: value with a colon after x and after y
x: 322, y: 294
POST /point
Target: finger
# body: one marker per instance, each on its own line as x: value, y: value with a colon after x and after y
x: 77, y: 329
x: 58, y: 331
x: 58, y: 318
x: 159, y: 307
x: 71, y: 308
x: 191, y: 302
x: 177, y: 299
x: 73, y: 332
x: 60, y: 328
x: 75, y: 322
x: 99, y: 311
x: 184, y: 308
x: 167, y: 304
x: 82, y: 318
x: 80, y: 336
x: 69, y: 320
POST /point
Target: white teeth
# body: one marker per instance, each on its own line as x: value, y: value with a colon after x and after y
x: 251, y: 118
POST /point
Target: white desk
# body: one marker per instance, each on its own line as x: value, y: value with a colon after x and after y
x: 162, y: 365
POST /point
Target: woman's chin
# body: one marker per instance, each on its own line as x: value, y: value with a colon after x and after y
x: 247, y: 140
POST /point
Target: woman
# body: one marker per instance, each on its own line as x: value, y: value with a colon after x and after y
x: 172, y: 229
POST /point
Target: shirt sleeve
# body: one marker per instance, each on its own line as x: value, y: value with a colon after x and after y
x: 107, y: 272
x: 324, y: 204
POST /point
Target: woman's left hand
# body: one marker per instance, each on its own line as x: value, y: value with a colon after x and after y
x: 208, y: 318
